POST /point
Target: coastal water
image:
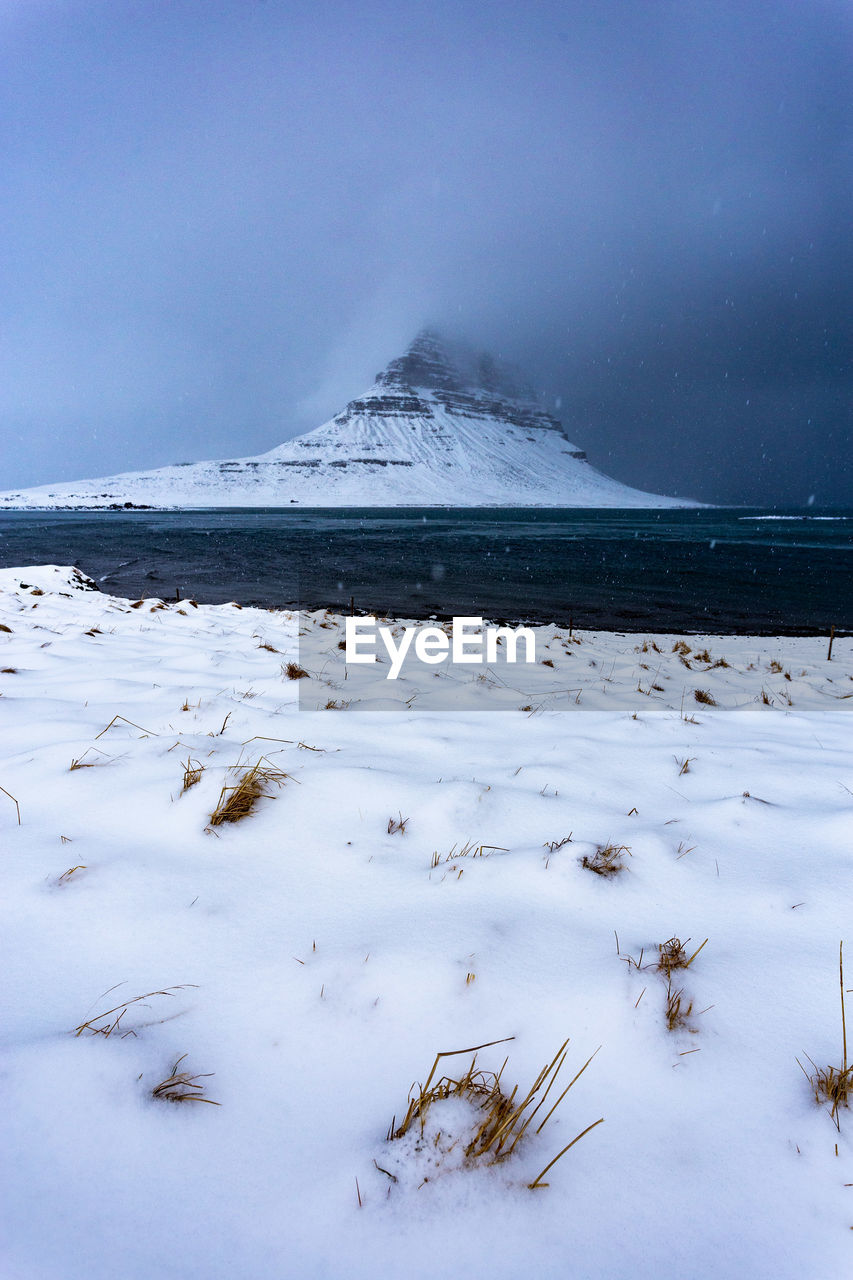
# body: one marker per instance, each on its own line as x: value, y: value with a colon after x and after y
x: 719, y: 570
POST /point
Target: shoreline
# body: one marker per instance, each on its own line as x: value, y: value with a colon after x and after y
x: 575, y: 621
x: 644, y: 669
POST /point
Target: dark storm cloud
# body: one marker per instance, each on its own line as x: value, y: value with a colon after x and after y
x: 220, y: 220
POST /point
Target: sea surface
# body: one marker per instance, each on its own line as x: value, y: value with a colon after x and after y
x: 717, y: 571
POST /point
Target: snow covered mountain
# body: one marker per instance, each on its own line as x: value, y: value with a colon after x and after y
x: 432, y: 431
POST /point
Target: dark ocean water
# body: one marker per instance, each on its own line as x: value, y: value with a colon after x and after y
x: 719, y: 570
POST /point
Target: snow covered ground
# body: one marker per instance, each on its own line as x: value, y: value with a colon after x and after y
x: 315, y: 962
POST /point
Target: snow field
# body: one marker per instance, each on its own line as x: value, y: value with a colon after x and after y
x: 331, y: 961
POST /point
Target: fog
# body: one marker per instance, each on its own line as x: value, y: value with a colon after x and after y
x: 219, y: 221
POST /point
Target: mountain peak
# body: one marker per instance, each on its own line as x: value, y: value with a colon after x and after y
x: 425, y: 365
x: 431, y: 363
x: 444, y: 424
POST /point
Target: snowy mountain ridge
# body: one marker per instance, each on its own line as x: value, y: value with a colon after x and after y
x: 431, y: 431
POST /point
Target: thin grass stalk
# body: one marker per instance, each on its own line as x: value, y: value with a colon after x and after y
x: 106, y: 1031
x: 695, y: 954
x: 564, y: 1052
x: 14, y: 802
x: 537, y: 1182
x: 843, y: 1018
x: 452, y: 1053
x: 566, y: 1090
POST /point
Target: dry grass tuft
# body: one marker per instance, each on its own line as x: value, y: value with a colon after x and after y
x: 237, y: 802
x: 682, y: 652
x: 269, y: 647
x: 104, y: 1024
x: 192, y: 774
x: 705, y: 697
x: 82, y: 763
x: 673, y: 956
x: 677, y: 1013
x: 339, y: 704
x: 833, y: 1085
x: 180, y: 1086
x: 468, y: 850
x: 396, y: 825
x: 608, y: 859
x: 293, y: 671
x: 504, y: 1120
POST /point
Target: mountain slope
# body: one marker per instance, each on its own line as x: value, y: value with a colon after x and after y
x: 431, y: 431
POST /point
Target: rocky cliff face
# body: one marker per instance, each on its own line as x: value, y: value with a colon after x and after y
x: 484, y: 391
x: 437, y: 428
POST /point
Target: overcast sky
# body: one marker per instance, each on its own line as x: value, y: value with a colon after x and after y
x: 220, y: 218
